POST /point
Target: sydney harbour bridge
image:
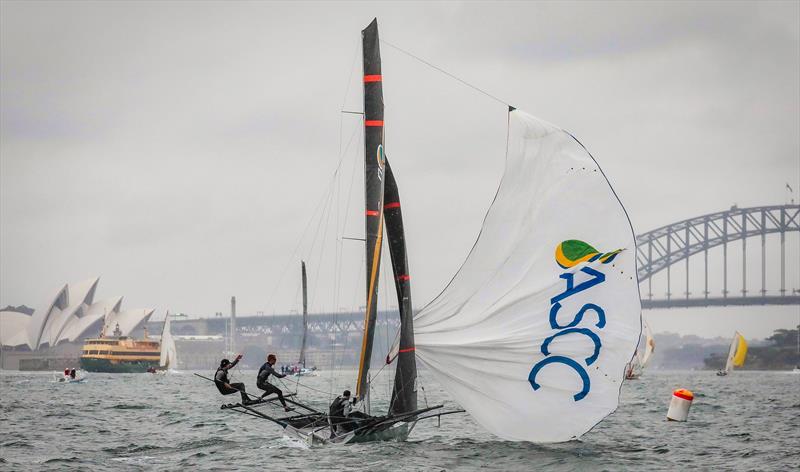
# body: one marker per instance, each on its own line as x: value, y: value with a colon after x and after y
x: 689, y: 263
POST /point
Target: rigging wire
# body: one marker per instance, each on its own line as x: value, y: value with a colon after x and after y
x: 301, y: 385
x: 321, y: 205
x: 452, y: 76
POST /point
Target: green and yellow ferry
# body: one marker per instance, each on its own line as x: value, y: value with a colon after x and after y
x: 120, y: 355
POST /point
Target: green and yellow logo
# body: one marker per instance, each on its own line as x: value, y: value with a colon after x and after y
x: 572, y: 252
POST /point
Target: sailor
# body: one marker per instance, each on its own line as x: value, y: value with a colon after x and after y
x: 72, y: 374
x: 223, y: 384
x: 338, y: 412
x: 66, y: 372
x: 263, y: 375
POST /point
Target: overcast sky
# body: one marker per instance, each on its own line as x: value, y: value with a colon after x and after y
x: 180, y: 150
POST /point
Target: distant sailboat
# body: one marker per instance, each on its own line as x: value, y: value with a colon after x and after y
x: 796, y: 369
x: 736, y: 354
x: 641, y: 359
x: 169, y: 354
x: 300, y: 369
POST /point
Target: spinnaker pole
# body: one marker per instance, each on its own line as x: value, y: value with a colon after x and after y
x: 373, y: 193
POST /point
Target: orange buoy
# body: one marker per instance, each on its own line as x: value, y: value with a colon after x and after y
x: 680, y: 404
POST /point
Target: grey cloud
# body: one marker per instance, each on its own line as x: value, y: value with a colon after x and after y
x: 194, y: 140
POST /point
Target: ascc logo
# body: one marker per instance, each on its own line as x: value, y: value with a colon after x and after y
x: 381, y: 158
x: 569, y: 254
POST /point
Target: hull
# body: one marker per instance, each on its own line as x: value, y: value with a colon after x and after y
x: 68, y: 381
x: 397, y: 432
x: 116, y: 367
x: 320, y: 436
x: 305, y: 373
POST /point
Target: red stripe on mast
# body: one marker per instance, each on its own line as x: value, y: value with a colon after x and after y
x: 373, y: 78
x: 373, y: 123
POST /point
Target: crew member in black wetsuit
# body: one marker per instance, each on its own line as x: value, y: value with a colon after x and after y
x: 224, y: 385
x: 263, y: 375
x: 338, y: 413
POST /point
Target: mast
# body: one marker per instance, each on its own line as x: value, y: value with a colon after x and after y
x: 302, y: 360
x: 373, y: 193
x: 404, y: 394
x: 233, y: 325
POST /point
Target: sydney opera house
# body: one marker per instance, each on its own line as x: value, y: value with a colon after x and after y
x: 70, y: 316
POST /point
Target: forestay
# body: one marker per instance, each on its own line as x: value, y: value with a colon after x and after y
x: 533, y: 333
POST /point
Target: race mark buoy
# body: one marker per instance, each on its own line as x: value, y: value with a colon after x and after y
x: 680, y: 404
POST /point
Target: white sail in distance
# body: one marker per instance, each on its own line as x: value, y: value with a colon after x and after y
x: 533, y: 333
x: 649, y: 346
x: 169, y: 354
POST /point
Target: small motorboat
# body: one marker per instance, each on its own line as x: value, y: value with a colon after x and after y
x: 70, y: 376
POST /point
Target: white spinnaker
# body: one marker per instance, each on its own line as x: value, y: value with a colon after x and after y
x: 483, y: 334
x: 649, y: 346
x: 169, y: 354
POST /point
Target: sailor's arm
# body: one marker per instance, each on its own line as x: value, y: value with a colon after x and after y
x: 274, y: 372
x: 235, y: 361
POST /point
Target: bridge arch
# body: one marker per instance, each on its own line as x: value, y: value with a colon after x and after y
x: 661, y: 248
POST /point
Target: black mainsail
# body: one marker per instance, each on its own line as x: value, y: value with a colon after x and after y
x: 404, y: 394
x: 373, y: 193
x: 302, y: 360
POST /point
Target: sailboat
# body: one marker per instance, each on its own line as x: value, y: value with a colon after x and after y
x: 736, y: 354
x: 382, y: 202
x: 300, y: 368
x: 641, y: 359
x: 169, y: 353
x: 532, y: 334
x: 796, y: 369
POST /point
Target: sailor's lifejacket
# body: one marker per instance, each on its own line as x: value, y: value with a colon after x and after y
x: 337, y: 408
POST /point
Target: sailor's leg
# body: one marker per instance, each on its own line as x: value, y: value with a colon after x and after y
x: 240, y: 387
x: 268, y: 388
x: 280, y: 395
x: 263, y: 386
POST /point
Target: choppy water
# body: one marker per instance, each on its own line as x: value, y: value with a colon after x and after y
x: 746, y: 421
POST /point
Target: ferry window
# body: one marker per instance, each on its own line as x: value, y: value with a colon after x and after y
x: 93, y: 352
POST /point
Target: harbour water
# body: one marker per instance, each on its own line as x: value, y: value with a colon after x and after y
x: 746, y: 421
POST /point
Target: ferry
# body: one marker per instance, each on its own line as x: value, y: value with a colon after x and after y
x: 120, y: 354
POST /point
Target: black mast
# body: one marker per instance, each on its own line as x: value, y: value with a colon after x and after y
x: 302, y: 360
x: 404, y: 394
x: 373, y: 192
